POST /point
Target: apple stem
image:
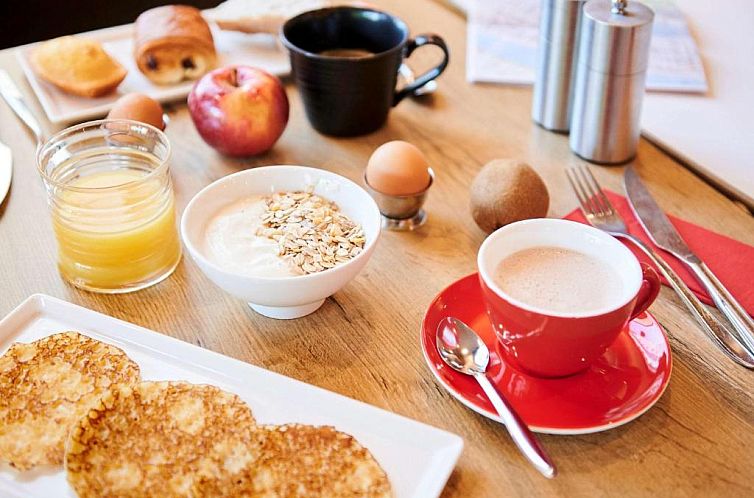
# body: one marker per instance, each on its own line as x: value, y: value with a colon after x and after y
x: 234, y: 76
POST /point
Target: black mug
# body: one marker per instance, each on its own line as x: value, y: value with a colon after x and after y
x: 345, y: 62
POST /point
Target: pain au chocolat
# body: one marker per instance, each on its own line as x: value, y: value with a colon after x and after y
x: 173, y: 43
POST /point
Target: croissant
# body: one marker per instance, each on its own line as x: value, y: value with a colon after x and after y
x: 173, y: 43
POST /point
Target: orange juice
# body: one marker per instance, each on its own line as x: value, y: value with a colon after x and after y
x: 119, y: 237
x: 111, y: 198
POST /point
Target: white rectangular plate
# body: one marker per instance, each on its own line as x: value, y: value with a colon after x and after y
x: 417, y: 458
x: 259, y: 50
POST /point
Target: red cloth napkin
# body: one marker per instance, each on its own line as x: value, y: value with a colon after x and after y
x: 730, y: 260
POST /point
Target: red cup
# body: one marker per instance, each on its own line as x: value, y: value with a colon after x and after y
x: 550, y: 343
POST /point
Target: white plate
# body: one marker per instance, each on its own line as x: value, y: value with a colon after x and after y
x: 260, y: 50
x: 417, y: 458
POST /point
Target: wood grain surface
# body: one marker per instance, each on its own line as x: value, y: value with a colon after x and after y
x: 697, y: 441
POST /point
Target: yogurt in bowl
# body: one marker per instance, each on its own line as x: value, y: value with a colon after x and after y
x: 283, y: 238
x: 232, y: 241
x: 283, y: 234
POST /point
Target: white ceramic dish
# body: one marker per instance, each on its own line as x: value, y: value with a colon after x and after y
x: 283, y: 297
x: 417, y: 458
x: 262, y: 51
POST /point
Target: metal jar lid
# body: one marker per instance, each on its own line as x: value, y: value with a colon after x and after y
x: 616, y: 36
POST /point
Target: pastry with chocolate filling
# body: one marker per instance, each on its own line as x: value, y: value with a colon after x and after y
x: 173, y: 43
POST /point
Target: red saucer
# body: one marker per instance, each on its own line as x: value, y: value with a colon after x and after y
x: 624, y: 383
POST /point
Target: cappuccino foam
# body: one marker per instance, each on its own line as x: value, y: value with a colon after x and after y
x: 559, y: 279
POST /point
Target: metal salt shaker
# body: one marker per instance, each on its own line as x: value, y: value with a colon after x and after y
x: 612, y: 64
x: 556, y: 63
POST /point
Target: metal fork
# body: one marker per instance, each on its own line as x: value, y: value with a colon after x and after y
x: 601, y: 214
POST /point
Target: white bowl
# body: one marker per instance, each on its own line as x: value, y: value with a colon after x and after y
x: 288, y: 296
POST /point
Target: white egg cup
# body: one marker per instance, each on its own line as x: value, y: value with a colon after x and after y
x: 282, y: 297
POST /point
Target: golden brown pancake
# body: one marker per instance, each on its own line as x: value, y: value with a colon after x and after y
x: 298, y: 461
x: 159, y: 439
x: 47, y: 386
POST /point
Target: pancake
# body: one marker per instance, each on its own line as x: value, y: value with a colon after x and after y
x: 47, y: 386
x: 160, y: 439
x: 295, y: 461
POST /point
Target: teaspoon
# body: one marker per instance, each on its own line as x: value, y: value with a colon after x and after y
x: 464, y: 351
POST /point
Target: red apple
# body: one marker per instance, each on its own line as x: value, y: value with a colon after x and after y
x: 239, y: 110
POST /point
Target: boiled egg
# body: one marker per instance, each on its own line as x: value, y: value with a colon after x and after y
x: 138, y: 107
x: 398, y: 168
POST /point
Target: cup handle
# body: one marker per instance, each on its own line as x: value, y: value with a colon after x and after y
x: 650, y: 288
x: 413, y: 44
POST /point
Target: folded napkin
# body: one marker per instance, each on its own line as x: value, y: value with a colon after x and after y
x: 730, y: 260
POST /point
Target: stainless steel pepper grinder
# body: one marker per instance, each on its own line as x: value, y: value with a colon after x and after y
x: 556, y: 63
x: 609, y: 88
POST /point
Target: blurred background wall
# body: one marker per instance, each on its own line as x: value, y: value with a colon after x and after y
x: 26, y: 21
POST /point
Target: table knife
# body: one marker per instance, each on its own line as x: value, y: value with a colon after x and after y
x: 14, y: 98
x: 666, y: 237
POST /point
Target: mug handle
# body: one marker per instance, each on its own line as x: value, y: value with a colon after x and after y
x: 650, y: 288
x: 413, y: 44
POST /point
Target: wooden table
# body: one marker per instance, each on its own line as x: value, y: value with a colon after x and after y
x: 363, y: 342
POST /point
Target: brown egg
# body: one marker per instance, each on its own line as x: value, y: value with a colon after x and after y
x: 139, y: 108
x: 397, y: 168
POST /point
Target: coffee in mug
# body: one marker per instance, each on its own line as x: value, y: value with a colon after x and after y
x: 346, y: 52
x: 558, y: 293
x: 559, y: 279
x: 345, y: 63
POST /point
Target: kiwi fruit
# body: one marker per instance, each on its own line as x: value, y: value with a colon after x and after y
x: 507, y: 190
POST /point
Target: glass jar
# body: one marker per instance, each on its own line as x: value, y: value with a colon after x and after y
x: 111, y: 199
